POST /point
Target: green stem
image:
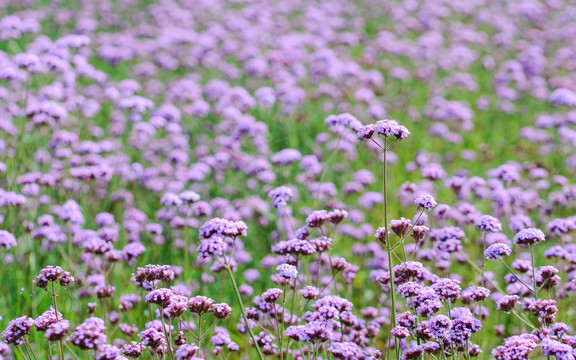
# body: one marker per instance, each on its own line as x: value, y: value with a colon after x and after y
x: 30, y: 348
x: 533, y: 272
x: 166, y: 334
x: 524, y: 321
x: 241, y: 304
x: 389, y: 250
x: 199, y: 331
x: 516, y: 276
x: 57, y: 319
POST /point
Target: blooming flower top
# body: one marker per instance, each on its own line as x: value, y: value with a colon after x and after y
x: 529, y: 236
x: 51, y: 274
x: 223, y: 228
x: 496, y: 251
x: 287, y: 271
x: 488, y: 223
x: 425, y: 202
x: 7, y: 240
x: 17, y: 329
x: 385, y: 128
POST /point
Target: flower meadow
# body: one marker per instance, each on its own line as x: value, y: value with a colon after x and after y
x: 287, y: 179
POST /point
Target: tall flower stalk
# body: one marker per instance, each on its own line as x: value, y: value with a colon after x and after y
x: 386, y: 128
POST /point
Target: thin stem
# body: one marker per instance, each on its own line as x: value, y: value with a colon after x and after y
x: 241, y: 304
x: 71, y: 351
x: 390, y: 261
x: 482, y: 256
x: 533, y: 272
x: 523, y: 320
x: 516, y: 276
x: 282, y: 332
x: 30, y: 347
x: 199, y: 330
x: 57, y: 319
x: 22, y: 352
x: 209, y: 329
x: 166, y: 333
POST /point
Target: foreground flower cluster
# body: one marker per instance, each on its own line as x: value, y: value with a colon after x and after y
x: 224, y: 180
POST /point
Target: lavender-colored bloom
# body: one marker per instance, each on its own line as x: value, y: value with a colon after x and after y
x: 49, y: 317
x: 221, y: 311
x: 518, y: 347
x: 17, y: 330
x: 7, y: 240
x: 159, y: 296
x: 475, y: 294
x: 272, y: 295
x: 519, y: 222
x: 89, y: 335
x: 287, y: 271
x: 310, y: 293
x: 152, y: 338
x: 280, y: 196
x: 151, y: 275
x: 213, y: 246
x: 406, y: 271
x: 200, y: 304
x: 425, y: 202
x: 186, y: 352
x: 507, y: 303
x: 58, y: 330
x: 488, y: 223
x: 400, y: 227
x: 529, y: 236
x: 51, y: 274
x: 544, y: 310
x: 189, y: 197
x: 222, y: 228
x: 133, y: 350
x: 346, y: 351
x: 497, y: 251
x: 440, y: 326
x: 317, y: 218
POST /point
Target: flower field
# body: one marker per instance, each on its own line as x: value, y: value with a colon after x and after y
x: 288, y: 179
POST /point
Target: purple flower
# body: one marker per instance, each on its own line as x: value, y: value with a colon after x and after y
x: 529, y: 236
x: 89, y: 335
x: 400, y: 227
x: 425, y: 202
x: 58, y: 330
x: 200, y: 304
x: 544, y: 310
x: 152, y: 338
x: 280, y: 196
x: 346, y: 351
x: 488, y: 223
x: 310, y: 293
x: 159, y: 297
x: 518, y: 347
x: 7, y: 240
x: 475, y: 294
x: 287, y: 271
x: 133, y: 350
x: 186, y: 352
x: 507, y: 303
x: 440, y: 326
x: 17, y: 330
x: 221, y: 311
x: 271, y: 295
x: 496, y: 251
x: 212, y: 246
